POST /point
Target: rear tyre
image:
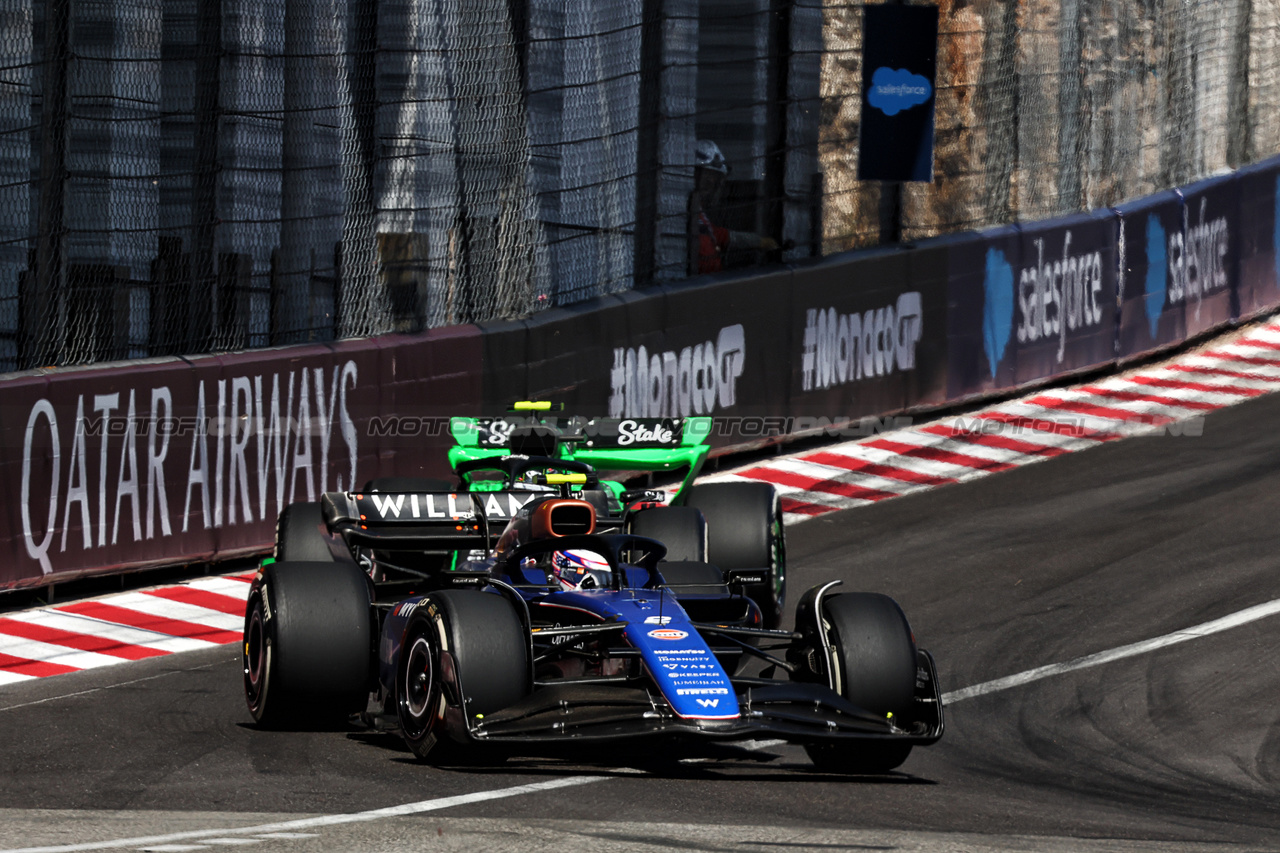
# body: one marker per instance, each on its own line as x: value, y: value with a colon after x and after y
x: 308, y: 643
x: 875, y: 663
x: 301, y: 536
x: 699, y: 578
x: 744, y: 531
x: 489, y: 648
x: 682, y: 529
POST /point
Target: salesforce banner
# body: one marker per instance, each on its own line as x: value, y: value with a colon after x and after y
x: 1148, y: 318
x: 1031, y: 301
x: 1201, y: 255
x: 1258, y: 270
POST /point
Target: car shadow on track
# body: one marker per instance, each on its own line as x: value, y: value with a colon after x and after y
x: 731, y: 764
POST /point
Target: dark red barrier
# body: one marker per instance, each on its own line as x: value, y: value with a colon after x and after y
x: 169, y: 461
x: 174, y: 461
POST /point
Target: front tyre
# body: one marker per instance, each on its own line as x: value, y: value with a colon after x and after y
x: 488, y: 647
x: 307, y: 644
x: 874, y: 668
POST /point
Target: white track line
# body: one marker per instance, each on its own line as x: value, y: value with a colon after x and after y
x: 273, y: 829
x: 1235, y: 620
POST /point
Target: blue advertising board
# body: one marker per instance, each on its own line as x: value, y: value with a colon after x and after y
x: 1148, y: 320
x: 1029, y: 302
x: 1202, y: 269
x: 1258, y: 263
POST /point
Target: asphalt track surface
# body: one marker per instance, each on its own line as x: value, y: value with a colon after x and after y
x: 1172, y: 749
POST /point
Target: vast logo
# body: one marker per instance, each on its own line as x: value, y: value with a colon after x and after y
x: 1154, y: 301
x: 840, y: 348
x: 694, y: 381
x: 997, y: 311
x: 896, y: 89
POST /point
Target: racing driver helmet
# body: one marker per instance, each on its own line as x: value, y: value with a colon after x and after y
x: 581, y: 570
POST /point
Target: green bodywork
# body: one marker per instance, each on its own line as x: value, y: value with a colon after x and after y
x: 690, y: 455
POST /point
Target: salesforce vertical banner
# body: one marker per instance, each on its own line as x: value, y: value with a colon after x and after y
x: 1258, y: 269
x: 1030, y: 302
x: 869, y: 335
x: 899, y: 61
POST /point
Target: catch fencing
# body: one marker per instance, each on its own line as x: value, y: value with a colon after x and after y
x: 195, y: 176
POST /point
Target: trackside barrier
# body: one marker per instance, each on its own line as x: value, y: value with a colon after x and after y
x: 175, y: 460
x: 110, y: 468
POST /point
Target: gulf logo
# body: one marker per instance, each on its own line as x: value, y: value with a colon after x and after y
x: 668, y: 634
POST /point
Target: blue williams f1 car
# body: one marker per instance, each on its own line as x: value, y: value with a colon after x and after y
x: 543, y: 611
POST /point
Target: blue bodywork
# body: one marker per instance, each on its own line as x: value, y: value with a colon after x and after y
x: 675, y: 655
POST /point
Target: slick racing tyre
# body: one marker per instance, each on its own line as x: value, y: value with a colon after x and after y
x: 300, y: 535
x: 488, y: 647
x: 308, y: 643
x: 875, y: 663
x: 744, y: 531
x: 682, y: 529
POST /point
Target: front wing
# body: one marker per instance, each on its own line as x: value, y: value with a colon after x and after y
x: 792, y: 711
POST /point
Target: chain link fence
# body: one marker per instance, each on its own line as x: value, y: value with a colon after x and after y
x: 203, y: 175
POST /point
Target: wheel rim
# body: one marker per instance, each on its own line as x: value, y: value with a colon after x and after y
x: 416, y: 693
x: 778, y: 558
x: 257, y: 657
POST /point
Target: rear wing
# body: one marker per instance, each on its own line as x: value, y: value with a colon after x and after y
x: 606, y: 444
x: 443, y: 521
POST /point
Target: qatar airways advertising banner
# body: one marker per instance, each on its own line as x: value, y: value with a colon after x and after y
x: 175, y: 460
